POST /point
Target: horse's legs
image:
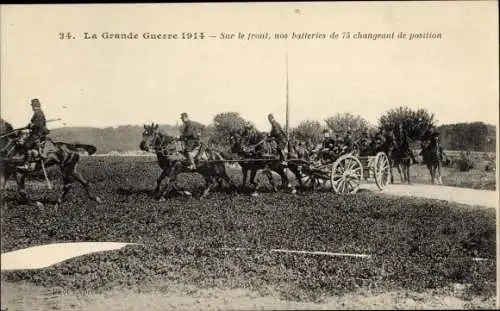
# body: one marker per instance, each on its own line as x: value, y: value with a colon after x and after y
x: 285, y: 181
x: 253, y: 182
x: 211, y: 185
x: 4, y: 176
x: 21, y: 191
x: 70, y: 172
x: 67, y: 185
x: 223, y: 176
x: 391, y: 165
x: 438, y: 168
x: 159, y: 181
x: 170, y: 179
x: 269, y: 175
x: 398, y: 167
x: 407, y: 170
x: 244, y: 170
x: 431, y: 171
x: 253, y: 175
x: 298, y: 176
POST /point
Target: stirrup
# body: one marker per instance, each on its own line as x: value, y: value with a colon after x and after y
x: 24, y: 167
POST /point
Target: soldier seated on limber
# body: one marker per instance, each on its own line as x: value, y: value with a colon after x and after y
x: 191, y: 138
x: 326, y: 148
x: 38, y: 132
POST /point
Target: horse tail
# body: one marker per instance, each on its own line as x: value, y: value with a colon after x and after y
x: 78, y: 148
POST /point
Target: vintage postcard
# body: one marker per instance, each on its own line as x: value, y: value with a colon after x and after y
x: 333, y: 155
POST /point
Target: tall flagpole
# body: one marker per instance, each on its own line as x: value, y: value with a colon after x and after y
x: 287, y: 102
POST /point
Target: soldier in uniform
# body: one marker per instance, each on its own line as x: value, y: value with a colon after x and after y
x: 327, y: 147
x: 428, y: 136
x: 329, y: 141
x: 279, y: 136
x: 38, y: 132
x: 401, y: 137
x: 365, y: 140
x: 347, y: 141
x: 253, y: 138
x: 191, y: 138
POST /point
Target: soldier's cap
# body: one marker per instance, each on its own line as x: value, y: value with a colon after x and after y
x: 184, y: 115
x: 326, y: 131
x: 35, y: 102
x: 248, y: 126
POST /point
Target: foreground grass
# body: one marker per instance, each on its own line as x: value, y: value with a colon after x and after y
x: 417, y: 246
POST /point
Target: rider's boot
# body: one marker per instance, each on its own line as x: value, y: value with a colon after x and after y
x: 283, y: 158
x: 414, y: 160
x: 192, y: 163
x: 26, y: 164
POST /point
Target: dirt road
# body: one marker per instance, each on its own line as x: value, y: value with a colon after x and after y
x: 454, y: 194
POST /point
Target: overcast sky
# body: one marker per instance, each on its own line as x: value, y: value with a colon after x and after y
x: 117, y: 82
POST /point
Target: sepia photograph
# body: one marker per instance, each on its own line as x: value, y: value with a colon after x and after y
x: 249, y: 156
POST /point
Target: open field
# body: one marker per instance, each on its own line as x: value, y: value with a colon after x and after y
x: 195, y: 252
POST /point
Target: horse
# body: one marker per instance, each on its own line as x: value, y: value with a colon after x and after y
x: 171, y: 160
x: 431, y: 158
x: 397, y: 154
x: 260, y: 157
x: 400, y: 156
x: 64, y: 155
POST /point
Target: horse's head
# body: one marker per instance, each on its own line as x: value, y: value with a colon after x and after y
x: 149, y: 137
x: 236, y: 141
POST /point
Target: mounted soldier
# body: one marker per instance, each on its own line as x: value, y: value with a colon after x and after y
x: 429, y: 138
x: 33, y: 145
x: 401, y: 139
x: 279, y: 136
x: 191, y: 138
x: 253, y: 140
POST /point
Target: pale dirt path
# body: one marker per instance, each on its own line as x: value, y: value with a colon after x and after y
x: 171, y: 296
x: 454, y: 194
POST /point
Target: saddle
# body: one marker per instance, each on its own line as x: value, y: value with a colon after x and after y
x: 198, y: 153
x: 36, y: 153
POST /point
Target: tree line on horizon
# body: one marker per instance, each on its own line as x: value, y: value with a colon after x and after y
x: 471, y: 136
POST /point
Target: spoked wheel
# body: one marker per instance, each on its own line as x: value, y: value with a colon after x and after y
x: 346, y: 174
x: 382, y: 170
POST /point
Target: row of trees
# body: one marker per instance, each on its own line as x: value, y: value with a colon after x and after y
x: 415, y: 123
x: 464, y: 136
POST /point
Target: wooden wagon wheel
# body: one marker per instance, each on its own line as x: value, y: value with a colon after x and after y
x: 382, y: 170
x: 346, y: 174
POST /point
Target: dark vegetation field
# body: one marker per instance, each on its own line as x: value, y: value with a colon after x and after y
x: 416, y: 244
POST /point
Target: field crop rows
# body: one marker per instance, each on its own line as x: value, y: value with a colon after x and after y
x: 415, y: 244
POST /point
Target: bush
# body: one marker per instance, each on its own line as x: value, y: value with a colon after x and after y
x: 465, y: 163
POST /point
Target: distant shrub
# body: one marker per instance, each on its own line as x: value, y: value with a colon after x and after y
x: 465, y: 163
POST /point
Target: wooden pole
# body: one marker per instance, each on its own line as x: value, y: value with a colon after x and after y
x: 287, y: 102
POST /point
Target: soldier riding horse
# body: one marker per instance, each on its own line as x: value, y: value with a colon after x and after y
x: 432, y: 154
x: 172, y: 160
x: 66, y: 156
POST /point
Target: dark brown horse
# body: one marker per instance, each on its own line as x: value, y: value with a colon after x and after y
x: 171, y: 160
x: 397, y: 150
x: 401, y: 156
x: 432, y: 158
x: 64, y: 155
x: 260, y: 156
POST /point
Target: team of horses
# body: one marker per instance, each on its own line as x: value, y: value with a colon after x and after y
x: 212, y: 164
